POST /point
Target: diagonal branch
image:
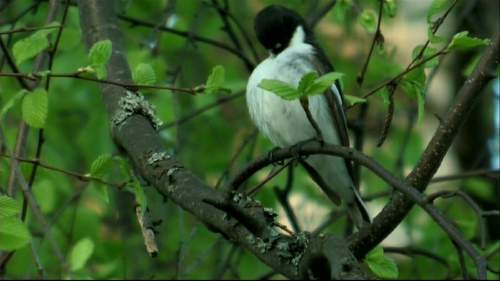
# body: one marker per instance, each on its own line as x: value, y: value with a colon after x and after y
x: 393, y: 213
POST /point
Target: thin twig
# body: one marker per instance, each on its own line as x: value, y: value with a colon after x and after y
x: 195, y: 113
x: 283, y: 198
x: 388, y: 117
x: 461, y: 260
x: 191, y: 36
x: 12, y: 64
x: 78, y: 176
x: 403, y: 73
x: 376, y: 39
x: 41, y: 132
x: 251, y: 138
x: 411, y: 251
x: 475, y: 207
x: 492, y: 174
x: 415, y: 196
x: 26, y: 29
x: 130, y: 86
x: 271, y: 175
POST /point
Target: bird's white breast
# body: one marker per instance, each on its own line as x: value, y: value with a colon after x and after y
x: 285, y: 122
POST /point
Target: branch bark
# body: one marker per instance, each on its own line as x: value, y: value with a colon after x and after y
x: 137, y: 137
x: 399, y: 206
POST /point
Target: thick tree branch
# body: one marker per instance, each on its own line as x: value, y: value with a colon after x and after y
x: 137, y: 137
x: 392, y: 215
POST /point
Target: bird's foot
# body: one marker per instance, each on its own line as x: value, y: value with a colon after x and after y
x: 270, y: 157
x: 296, y: 150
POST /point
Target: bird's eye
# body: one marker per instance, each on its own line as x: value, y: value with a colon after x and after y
x: 277, y: 46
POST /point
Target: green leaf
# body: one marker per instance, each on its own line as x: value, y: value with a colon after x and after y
x: 390, y: 8
x: 353, y: 100
x: 463, y: 42
x: 381, y: 265
x: 12, y: 102
x: 80, y: 253
x: 324, y: 82
x: 215, y: 80
x: 99, y: 55
x: 100, y: 71
x: 428, y: 52
x: 307, y: 80
x: 413, y: 84
x: 384, y: 94
x: 144, y: 74
x: 101, y: 165
x: 437, y: 7
x: 100, y: 52
x: 368, y: 20
x: 35, y: 108
x: 13, y: 234
x: 8, y: 207
x: 32, y: 45
x: 124, y: 168
x: 280, y: 88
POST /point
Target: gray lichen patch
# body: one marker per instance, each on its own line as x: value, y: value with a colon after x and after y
x: 263, y: 245
x: 245, y: 201
x: 134, y: 103
x: 293, y: 250
x: 270, y: 213
x: 156, y: 157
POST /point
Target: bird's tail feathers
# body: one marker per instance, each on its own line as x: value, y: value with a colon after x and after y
x: 357, y: 211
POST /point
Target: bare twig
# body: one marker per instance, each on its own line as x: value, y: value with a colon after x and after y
x: 388, y: 117
x: 78, y: 176
x: 195, y: 37
x: 224, y: 12
x: 41, y: 132
x: 491, y: 174
x: 377, y: 38
x: 130, y: 86
x: 26, y: 29
x: 271, y: 175
x: 461, y: 259
x: 283, y: 198
x: 347, y: 153
x: 197, y: 112
x: 251, y: 138
x: 475, y: 207
x: 431, y: 159
x: 403, y: 73
x: 411, y: 251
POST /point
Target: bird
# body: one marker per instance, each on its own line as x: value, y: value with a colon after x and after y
x: 294, y: 52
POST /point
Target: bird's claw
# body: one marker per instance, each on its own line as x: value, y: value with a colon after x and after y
x: 296, y: 149
x: 270, y: 157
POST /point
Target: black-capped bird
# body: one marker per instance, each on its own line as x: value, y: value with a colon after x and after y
x: 293, y: 52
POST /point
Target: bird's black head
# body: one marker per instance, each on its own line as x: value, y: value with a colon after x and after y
x: 275, y: 26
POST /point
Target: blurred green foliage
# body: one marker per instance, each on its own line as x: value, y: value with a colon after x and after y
x: 95, y: 225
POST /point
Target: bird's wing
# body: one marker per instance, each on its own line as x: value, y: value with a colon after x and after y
x: 335, y: 100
